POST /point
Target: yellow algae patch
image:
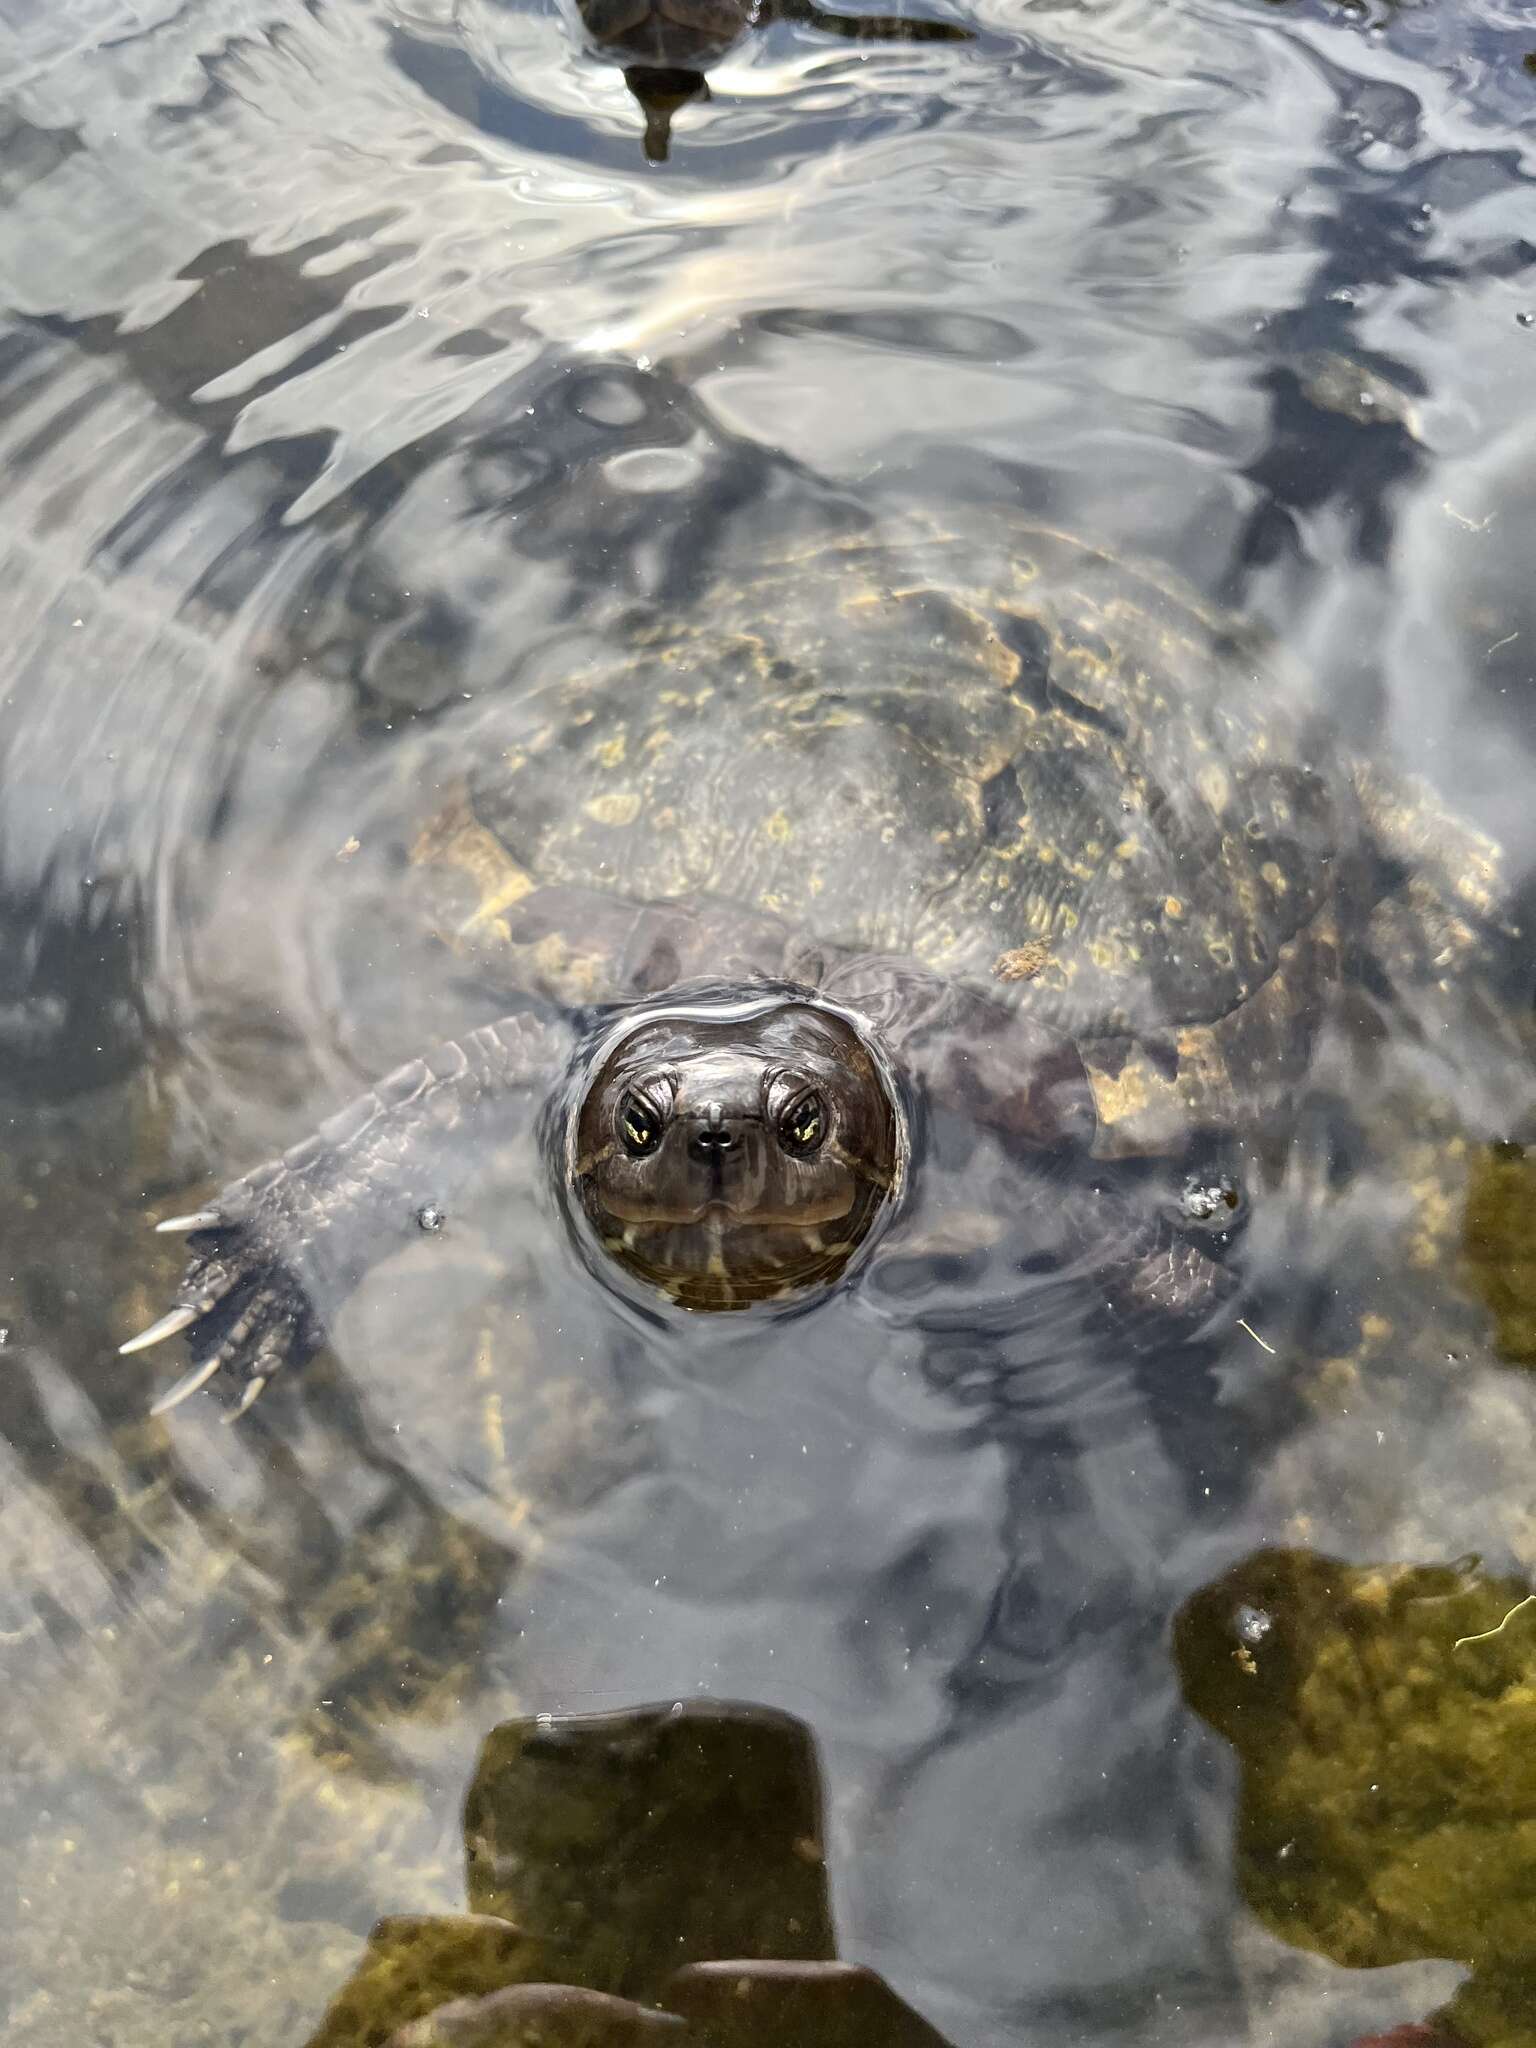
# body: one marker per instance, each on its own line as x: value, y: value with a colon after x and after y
x: 1383, y: 1728
x: 1173, y: 906
x: 1119, y: 1097
x: 621, y: 808
x: 1203, y: 1070
x: 1499, y: 1245
x: 1140, y: 1107
x: 777, y: 827
x: 612, y: 752
x: 1213, y: 785
x: 457, y: 839
x: 580, y: 975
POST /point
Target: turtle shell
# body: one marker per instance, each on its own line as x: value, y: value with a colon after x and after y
x: 1034, y: 769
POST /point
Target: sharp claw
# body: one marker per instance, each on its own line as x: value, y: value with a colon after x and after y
x: 168, y: 1326
x: 247, y: 1400
x: 189, y: 1383
x: 200, y: 1219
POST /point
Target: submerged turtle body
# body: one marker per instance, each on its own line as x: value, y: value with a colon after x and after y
x: 1041, y: 778
x: 1008, y: 826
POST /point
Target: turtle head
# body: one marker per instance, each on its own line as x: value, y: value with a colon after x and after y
x: 728, y: 1153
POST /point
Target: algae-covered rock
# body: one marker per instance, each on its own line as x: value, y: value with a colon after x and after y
x: 634, y: 1843
x: 1384, y: 1719
x: 1499, y: 1234
x: 543, y: 2016
x: 794, y: 2005
x: 604, y: 1851
x: 653, y: 1872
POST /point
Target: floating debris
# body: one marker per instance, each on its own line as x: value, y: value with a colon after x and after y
x: 1024, y: 962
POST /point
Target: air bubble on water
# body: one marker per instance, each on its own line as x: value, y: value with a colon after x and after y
x: 1252, y: 1624
x: 1525, y: 318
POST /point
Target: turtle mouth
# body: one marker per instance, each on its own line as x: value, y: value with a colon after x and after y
x: 735, y: 1213
x: 714, y: 1266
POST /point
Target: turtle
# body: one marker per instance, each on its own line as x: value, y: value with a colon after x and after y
x: 903, y: 828
x: 666, y: 46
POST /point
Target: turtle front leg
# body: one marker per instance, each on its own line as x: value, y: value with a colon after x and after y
x: 1174, y: 1278
x: 281, y: 1248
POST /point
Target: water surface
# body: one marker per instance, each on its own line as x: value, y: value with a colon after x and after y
x: 357, y: 364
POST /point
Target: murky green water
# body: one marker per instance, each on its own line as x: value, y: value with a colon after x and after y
x: 360, y: 372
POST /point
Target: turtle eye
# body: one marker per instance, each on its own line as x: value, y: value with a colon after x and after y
x: 639, y: 1125
x: 803, y: 1125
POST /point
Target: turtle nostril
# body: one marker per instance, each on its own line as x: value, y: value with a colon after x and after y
x: 712, y: 1142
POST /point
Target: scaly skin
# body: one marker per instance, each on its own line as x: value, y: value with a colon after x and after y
x: 281, y: 1248
x: 305, y: 1228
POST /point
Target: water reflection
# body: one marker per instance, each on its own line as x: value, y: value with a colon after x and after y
x: 357, y: 372
x: 1107, y: 943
